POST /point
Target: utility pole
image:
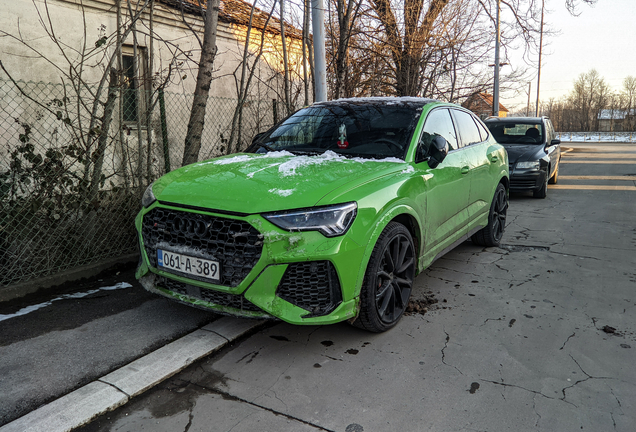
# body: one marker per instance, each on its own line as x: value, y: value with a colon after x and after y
x: 529, y: 91
x: 540, y: 49
x: 320, y: 64
x: 495, y: 93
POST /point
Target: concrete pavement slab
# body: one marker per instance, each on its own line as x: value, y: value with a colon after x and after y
x: 192, y: 415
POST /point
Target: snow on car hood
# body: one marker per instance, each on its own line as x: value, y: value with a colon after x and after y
x: 252, y: 183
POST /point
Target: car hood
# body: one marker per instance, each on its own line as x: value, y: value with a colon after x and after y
x: 252, y: 183
x: 522, y: 153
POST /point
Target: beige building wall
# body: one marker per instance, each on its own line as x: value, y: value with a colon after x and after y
x: 78, y: 25
x: 75, y: 22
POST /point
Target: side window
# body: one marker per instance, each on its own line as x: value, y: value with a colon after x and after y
x: 482, y: 130
x: 550, y: 131
x: 439, y: 122
x: 466, y: 127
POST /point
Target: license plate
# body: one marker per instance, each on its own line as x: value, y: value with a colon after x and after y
x: 202, y: 268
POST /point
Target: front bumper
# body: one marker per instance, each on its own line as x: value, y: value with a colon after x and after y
x: 300, y: 277
x: 526, y: 180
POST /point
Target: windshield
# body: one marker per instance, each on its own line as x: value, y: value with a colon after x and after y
x: 516, y: 133
x: 356, y: 130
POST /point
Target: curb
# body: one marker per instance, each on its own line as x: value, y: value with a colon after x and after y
x: 116, y: 388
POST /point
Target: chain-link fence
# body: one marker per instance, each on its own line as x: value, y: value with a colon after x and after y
x: 69, y: 191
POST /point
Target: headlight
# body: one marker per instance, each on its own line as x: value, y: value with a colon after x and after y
x: 528, y: 165
x: 148, y: 198
x: 331, y: 221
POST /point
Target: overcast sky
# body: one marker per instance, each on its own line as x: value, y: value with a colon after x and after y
x: 601, y: 37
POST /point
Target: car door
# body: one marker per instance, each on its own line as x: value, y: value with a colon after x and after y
x: 554, y: 151
x: 479, y: 158
x: 447, y: 186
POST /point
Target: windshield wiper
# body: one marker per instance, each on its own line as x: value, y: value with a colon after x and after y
x: 307, y: 152
x: 367, y: 155
x: 267, y: 147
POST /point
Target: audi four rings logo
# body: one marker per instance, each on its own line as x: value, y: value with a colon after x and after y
x: 189, y: 226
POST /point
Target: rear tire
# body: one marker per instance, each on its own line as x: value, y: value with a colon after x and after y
x: 388, y: 280
x: 492, y: 233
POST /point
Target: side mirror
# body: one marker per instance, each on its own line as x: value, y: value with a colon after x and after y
x: 555, y: 142
x: 437, y: 151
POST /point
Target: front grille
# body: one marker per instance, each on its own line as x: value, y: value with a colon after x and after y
x: 236, y: 244
x: 522, y: 184
x: 218, y: 298
x: 313, y: 286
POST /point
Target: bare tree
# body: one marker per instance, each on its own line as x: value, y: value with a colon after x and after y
x: 347, y: 14
x: 589, y: 96
x: 204, y: 80
x: 247, y: 75
x: 437, y: 48
x: 629, y: 102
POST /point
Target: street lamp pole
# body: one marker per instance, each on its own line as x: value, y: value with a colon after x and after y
x: 540, y: 50
x: 495, y: 92
x: 529, y: 91
x: 320, y: 64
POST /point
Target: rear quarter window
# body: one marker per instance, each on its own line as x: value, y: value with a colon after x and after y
x: 483, y: 130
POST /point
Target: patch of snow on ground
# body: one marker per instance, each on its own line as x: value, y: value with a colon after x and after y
x: 32, y: 308
x: 620, y: 137
x: 282, y: 192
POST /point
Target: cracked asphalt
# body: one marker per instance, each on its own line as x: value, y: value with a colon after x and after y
x: 539, y: 334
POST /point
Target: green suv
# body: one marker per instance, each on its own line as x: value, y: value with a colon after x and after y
x: 329, y: 215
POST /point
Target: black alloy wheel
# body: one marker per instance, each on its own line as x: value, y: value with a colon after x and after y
x: 388, y: 280
x: 492, y: 233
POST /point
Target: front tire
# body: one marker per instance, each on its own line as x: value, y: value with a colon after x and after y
x: 492, y: 233
x: 388, y: 280
x: 555, y: 177
x: 542, y: 192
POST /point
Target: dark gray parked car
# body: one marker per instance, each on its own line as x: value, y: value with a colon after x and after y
x: 534, y: 152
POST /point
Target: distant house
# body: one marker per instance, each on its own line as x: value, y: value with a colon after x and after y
x: 481, y: 104
x: 615, y: 120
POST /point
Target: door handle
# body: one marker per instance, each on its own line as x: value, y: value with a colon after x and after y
x: 493, y: 157
x: 465, y: 170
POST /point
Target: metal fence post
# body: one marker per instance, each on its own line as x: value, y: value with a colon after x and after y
x: 275, y: 108
x: 164, y: 131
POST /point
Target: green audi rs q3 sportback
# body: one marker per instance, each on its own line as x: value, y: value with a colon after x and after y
x: 329, y: 215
